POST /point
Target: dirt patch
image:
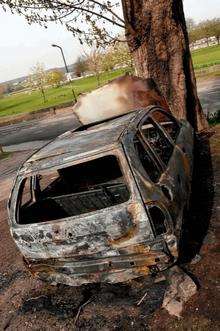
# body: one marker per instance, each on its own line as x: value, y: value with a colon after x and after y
x: 201, y: 236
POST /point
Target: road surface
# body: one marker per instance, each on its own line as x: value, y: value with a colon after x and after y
x: 209, y: 93
x: 35, y: 130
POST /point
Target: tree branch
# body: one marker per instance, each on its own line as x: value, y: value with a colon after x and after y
x: 100, y: 15
x: 109, y: 10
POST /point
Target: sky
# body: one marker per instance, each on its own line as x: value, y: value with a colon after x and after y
x: 22, y: 45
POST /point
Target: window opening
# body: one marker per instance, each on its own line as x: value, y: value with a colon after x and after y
x: 168, y: 123
x: 147, y: 162
x: 158, y: 220
x: 75, y: 190
x: 157, y: 140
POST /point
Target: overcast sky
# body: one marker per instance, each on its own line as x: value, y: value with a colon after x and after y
x: 22, y: 46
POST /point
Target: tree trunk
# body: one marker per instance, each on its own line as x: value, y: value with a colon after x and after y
x: 43, y: 94
x: 207, y: 41
x: 98, y: 79
x: 157, y: 37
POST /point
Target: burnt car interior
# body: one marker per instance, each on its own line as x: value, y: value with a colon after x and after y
x: 157, y: 140
x: 71, y: 191
x: 168, y: 123
x: 146, y: 159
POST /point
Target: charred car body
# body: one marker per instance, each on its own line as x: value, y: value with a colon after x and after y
x: 105, y: 202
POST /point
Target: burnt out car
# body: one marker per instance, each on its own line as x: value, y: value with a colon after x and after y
x: 104, y: 203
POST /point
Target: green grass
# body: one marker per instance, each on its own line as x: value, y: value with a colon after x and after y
x: 215, y: 120
x: 4, y: 155
x: 206, y: 57
x: 26, y: 102
x: 205, y: 74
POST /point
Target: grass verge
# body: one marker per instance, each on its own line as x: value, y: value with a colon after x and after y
x: 4, y: 155
x: 206, y: 57
x: 215, y: 120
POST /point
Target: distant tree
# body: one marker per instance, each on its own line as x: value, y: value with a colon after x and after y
x: 190, y: 24
x: 192, y: 29
x: 38, y: 79
x: 215, y: 28
x: 195, y: 34
x: 107, y: 60
x: 94, y: 60
x: 80, y: 66
x: 117, y: 55
x: 55, y: 77
x: 3, y: 89
x: 204, y: 29
x: 122, y: 55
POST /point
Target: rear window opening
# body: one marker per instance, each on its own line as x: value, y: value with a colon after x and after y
x: 71, y: 191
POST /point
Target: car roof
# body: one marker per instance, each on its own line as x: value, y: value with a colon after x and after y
x: 97, y: 137
x: 84, y: 142
x: 81, y: 143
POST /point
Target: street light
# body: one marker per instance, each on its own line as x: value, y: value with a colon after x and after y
x: 67, y: 70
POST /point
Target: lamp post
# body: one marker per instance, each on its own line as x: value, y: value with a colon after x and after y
x: 67, y: 70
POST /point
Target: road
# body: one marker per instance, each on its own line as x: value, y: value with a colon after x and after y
x: 36, y: 130
x: 46, y: 129
x: 209, y: 93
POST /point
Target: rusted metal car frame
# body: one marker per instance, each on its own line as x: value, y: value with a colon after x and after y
x: 112, y: 231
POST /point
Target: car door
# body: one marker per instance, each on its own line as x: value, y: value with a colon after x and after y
x: 147, y: 171
x: 160, y: 131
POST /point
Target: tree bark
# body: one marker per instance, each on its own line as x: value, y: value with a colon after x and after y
x: 157, y: 37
